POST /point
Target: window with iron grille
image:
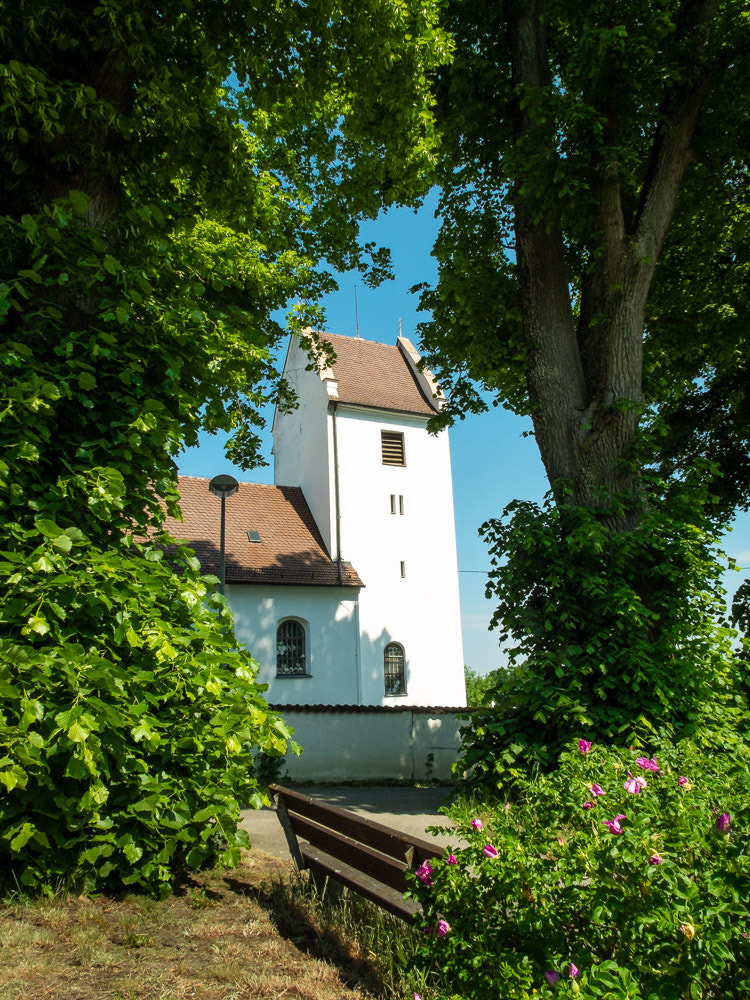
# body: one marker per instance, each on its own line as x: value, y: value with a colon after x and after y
x: 395, y: 676
x: 392, y: 447
x: 290, y: 649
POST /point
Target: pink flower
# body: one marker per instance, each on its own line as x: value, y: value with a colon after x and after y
x: 614, y: 824
x: 584, y: 746
x: 573, y: 971
x: 634, y: 784
x: 424, y: 873
x: 442, y: 928
x: 489, y: 851
x: 552, y: 977
x: 588, y: 805
x: 476, y: 824
x: 417, y: 996
x: 655, y: 859
x: 646, y: 764
x: 682, y: 780
x: 452, y: 859
x: 597, y: 789
x: 722, y: 823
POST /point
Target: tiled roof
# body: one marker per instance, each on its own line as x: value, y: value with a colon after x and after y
x: 378, y: 375
x: 290, y: 551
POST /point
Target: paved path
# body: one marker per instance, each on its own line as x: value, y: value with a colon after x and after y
x: 409, y: 809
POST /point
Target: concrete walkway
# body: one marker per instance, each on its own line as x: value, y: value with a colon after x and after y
x: 411, y: 810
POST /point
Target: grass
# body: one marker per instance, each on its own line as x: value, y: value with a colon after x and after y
x: 254, y: 931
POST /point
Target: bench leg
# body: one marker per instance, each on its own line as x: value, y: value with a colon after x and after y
x: 324, y: 885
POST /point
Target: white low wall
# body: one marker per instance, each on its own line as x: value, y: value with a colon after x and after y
x: 360, y: 743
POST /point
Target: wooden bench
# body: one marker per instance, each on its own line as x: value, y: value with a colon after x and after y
x: 356, y: 852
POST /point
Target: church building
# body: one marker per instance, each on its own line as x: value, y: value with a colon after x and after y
x: 342, y: 577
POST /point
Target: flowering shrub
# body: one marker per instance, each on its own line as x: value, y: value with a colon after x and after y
x: 614, y: 877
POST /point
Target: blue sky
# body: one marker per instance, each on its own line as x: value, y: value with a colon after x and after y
x: 492, y: 462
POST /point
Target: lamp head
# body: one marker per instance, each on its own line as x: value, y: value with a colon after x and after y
x: 223, y: 486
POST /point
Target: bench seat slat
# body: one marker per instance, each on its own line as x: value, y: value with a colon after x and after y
x: 390, y: 899
x: 357, y: 855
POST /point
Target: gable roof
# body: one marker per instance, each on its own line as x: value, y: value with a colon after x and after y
x: 369, y: 373
x: 290, y: 551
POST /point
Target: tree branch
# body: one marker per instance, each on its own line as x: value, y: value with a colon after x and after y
x: 671, y: 150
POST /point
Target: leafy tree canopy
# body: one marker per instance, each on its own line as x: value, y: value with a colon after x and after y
x: 171, y: 175
x: 593, y: 274
x: 592, y: 256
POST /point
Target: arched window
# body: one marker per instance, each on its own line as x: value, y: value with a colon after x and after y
x: 291, y: 657
x: 395, y: 675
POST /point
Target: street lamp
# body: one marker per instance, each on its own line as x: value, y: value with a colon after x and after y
x: 223, y: 486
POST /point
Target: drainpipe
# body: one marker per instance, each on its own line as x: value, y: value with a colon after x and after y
x: 357, y: 639
x: 336, y: 493
x: 357, y: 650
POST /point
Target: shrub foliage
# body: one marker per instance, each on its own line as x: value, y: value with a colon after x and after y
x: 615, y: 634
x: 128, y: 718
x: 620, y: 875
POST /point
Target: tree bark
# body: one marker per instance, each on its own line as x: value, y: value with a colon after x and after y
x: 585, y: 383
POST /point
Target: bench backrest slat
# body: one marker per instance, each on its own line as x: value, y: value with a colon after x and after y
x: 379, y: 866
x: 400, y: 846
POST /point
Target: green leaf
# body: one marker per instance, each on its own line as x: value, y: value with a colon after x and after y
x: 23, y: 836
x: 48, y: 528
x: 132, y: 853
x: 63, y: 543
x: 77, y: 733
x: 111, y: 264
x: 13, y: 777
x: 80, y: 201
x: 86, y: 381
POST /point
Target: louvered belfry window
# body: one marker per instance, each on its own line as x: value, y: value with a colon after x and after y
x: 290, y: 649
x: 392, y: 445
x: 393, y: 661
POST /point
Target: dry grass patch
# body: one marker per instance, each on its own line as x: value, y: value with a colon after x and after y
x: 224, y: 935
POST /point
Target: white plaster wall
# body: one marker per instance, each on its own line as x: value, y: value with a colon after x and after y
x: 361, y: 746
x: 331, y: 613
x: 300, y: 442
x: 421, y: 611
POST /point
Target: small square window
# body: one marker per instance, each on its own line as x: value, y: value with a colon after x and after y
x: 392, y: 447
x: 393, y: 503
x: 403, y: 570
x: 401, y: 505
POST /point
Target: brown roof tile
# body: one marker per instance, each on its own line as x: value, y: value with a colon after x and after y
x: 290, y: 551
x: 378, y: 375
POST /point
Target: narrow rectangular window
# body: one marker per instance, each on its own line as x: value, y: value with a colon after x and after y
x: 393, y: 503
x: 392, y: 447
x: 400, y: 504
x: 403, y: 570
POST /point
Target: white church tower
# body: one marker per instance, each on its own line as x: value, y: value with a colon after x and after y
x: 379, y: 488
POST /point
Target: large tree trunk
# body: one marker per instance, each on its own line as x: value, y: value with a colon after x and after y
x: 584, y: 377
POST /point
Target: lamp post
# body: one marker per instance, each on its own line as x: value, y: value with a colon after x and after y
x: 223, y: 486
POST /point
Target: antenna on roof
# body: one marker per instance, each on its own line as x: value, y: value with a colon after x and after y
x: 400, y: 328
x: 356, y: 311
